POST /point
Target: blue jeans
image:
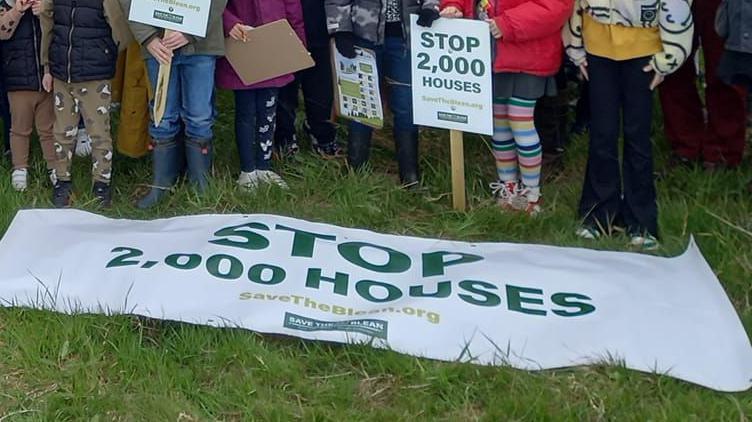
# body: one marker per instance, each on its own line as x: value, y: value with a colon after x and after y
x: 190, y: 97
x: 393, y: 64
x: 255, y: 115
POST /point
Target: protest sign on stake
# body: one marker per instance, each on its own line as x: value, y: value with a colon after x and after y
x: 451, y: 80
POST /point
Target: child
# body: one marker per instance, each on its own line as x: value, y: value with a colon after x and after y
x: 256, y: 105
x: 528, y: 54
x: 190, y: 99
x: 30, y: 104
x: 734, y: 25
x: 624, y: 48
x: 382, y: 26
x: 710, y: 132
x: 318, y: 92
x: 80, y: 41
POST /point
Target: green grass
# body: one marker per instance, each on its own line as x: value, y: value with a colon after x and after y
x: 56, y: 367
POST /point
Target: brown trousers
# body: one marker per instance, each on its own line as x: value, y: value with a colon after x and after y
x: 29, y: 109
x: 92, y: 101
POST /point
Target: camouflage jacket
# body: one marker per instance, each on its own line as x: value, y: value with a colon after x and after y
x: 366, y: 18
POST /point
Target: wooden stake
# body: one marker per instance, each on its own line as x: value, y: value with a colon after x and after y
x: 458, y: 169
x: 160, y: 91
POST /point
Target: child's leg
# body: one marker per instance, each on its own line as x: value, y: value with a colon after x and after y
x: 529, y: 153
x: 288, y: 105
x: 639, y: 209
x: 22, y: 124
x: 318, y: 95
x: 95, y: 98
x: 197, y: 89
x: 504, y: 148
x: 601, y: 192
x: 169, y: 127
x: 67, y: 114
x: 44, y: 120
x: 5, y: 115
x: 197, y: 111
x: 245, y: 128
x: 266, y: 110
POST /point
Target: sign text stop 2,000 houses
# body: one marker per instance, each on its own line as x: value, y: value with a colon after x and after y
x: 451, y: 75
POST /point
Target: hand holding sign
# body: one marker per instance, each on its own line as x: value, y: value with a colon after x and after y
x: 451, y: 12
x: 47, y: 82
x: 36, y: 7
x: 494, y: 28
x: 174, y: 40
x: 426, y: 17
x: 239, y: 32
x: 345, y: 42
x: 22, y: 6
x: 160, y: 52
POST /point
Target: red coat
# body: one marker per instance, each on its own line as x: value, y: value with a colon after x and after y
x: 531, y: 29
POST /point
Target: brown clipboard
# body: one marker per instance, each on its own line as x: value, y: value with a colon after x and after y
x: 271, y: 50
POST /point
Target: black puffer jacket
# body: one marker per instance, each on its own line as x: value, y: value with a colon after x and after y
x: 82, y: 47
x: 22, y: 66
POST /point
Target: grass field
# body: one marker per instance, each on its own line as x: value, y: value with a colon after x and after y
x: 55, y: 367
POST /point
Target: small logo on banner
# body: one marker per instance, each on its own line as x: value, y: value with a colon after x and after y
x: 371, y: 327
x: 168, y: 17
x: 452, y: 117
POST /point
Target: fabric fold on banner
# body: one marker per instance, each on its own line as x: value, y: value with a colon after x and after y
x: 530, y: 307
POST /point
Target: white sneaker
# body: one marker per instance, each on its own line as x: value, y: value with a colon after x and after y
x: 508, y: 195
x: 249, y: 179
x: 18, y: 179
x: 83, y: 143
x: 271, y: 177
x: 587, y: 232
x: 532, y: 201
x: 647, y: 242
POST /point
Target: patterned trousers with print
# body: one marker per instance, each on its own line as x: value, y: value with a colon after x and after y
x: 255, y: 119
x: 90, y: 100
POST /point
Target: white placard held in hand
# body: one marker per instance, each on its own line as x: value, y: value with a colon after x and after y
x: 451, y: 75
x: 186, y: 16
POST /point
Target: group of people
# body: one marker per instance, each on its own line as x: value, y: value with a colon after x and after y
x: 60, y: 56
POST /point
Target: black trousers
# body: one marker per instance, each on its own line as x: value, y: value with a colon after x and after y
x: 551, y: 117
x: 318, y: 97
x: 619, y: 91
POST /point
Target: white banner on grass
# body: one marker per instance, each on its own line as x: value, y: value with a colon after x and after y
x: 532, y: 307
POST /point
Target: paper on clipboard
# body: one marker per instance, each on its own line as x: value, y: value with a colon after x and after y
x: 259, y: 59
x: 356, y: 88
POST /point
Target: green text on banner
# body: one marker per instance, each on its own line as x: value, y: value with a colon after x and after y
x: 526, y: 306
